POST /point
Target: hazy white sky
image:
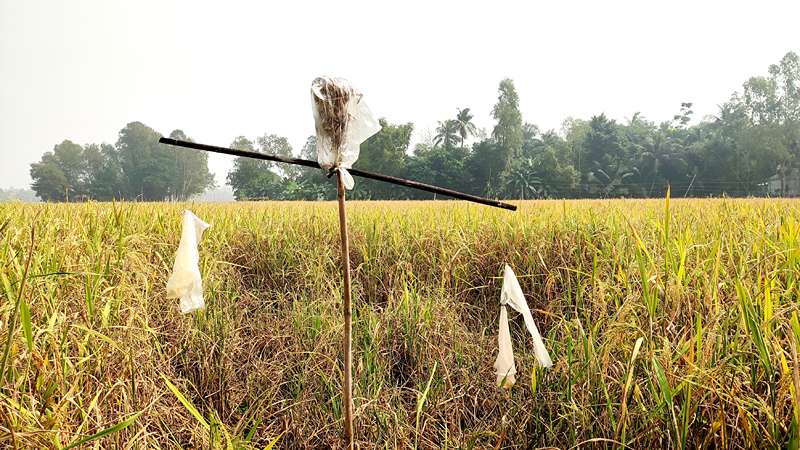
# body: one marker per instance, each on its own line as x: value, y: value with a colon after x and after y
x: 81, y: 70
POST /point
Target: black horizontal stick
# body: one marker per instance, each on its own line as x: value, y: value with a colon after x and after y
x: 356, y: 172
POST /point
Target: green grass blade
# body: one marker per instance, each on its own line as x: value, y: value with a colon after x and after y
x: 273, y: 442
x: 110, y: 430
x: 12, y: 325
x: 666, y: 234
x: 27, y: 329
x: 421, y: 400
x: 663, y: 384
x: 753, y: 325
x: 186, y: 403
x: 249, y: 436
x: 666, y: 393
x: 622, y: 423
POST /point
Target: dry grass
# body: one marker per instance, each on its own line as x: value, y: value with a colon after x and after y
x: 709, y: 287
x: 331, y: 98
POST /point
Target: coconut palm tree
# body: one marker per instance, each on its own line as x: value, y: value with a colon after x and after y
x: 446, y: 134
x: 464, y: 125
x: 662, y: 157
x: 611, y: 178
x: 520, y: 182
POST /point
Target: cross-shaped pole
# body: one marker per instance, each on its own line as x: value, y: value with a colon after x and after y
x: 348, y: 326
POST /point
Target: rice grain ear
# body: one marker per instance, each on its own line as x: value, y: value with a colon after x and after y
x: 331, y: 99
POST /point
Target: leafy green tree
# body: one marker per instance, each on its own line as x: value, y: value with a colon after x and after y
x: 654, y: 154
x: 253, y: 179
x: 464, y: 125
x: 447, y: 133
x: 49, y: 181
x: 104, y: 180
x: 384, y: 152
x: 272, y: 144
x: 138, y: 167
x: 657, y: 154
x: 190, y: 170
x: 60, y: 175
x: 772, y: 104
x: 508, y: 132
x: 146, y: 169
x: 683, y: 118
x: 543, y: 169
x: 311, y: 183
x: 520, y: 180
x: 155, y: 172
x: 69, y: 157
x: 574, y: 132
x: 75, y: 173
x: 735, y: 159
x: 485, y: 168
x: 609, y: 164
x: 442, y: 166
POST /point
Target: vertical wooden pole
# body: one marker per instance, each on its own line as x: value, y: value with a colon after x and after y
x: 347, y: 397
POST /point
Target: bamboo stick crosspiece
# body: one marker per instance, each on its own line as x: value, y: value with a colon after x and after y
x: 355, y: 172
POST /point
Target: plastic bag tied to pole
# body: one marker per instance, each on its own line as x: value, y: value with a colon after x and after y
x: 504, y: 365
x: 343, y: 121
x: 185, y: 282
x: 512, y: 295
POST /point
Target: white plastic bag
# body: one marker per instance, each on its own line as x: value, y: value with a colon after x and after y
x: 342, y: 121
x: 185, y: 282
x: 512, y: 295
x: 504, y: 365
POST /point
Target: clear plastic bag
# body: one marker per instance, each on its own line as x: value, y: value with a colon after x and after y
x: 512, y: 295
x: 343, y: 121
x: 504, y: 364
x: 185, y: 282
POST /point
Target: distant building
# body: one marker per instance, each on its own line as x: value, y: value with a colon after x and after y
x: 791, y: 187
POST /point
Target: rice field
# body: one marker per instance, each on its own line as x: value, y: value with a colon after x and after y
x: 671, y: 324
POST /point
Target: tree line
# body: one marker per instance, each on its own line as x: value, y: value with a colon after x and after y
x: 136, y: 167
x: 754, y: 137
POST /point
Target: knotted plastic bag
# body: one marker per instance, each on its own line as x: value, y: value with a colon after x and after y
x: 342, y: 121
x: 185, y: 282
x: 512, y: 295
x: 506, y: 369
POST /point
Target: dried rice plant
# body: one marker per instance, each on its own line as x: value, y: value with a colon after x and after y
x: 331, y: 98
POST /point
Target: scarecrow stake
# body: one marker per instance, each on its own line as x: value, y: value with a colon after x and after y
x: 343, y: 122
x: 348, y: 320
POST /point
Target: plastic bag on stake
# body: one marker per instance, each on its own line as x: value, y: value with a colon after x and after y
x: 185, y: 282
x: 512, y: 295
x: 504, y: 364
x: 343, y: 121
